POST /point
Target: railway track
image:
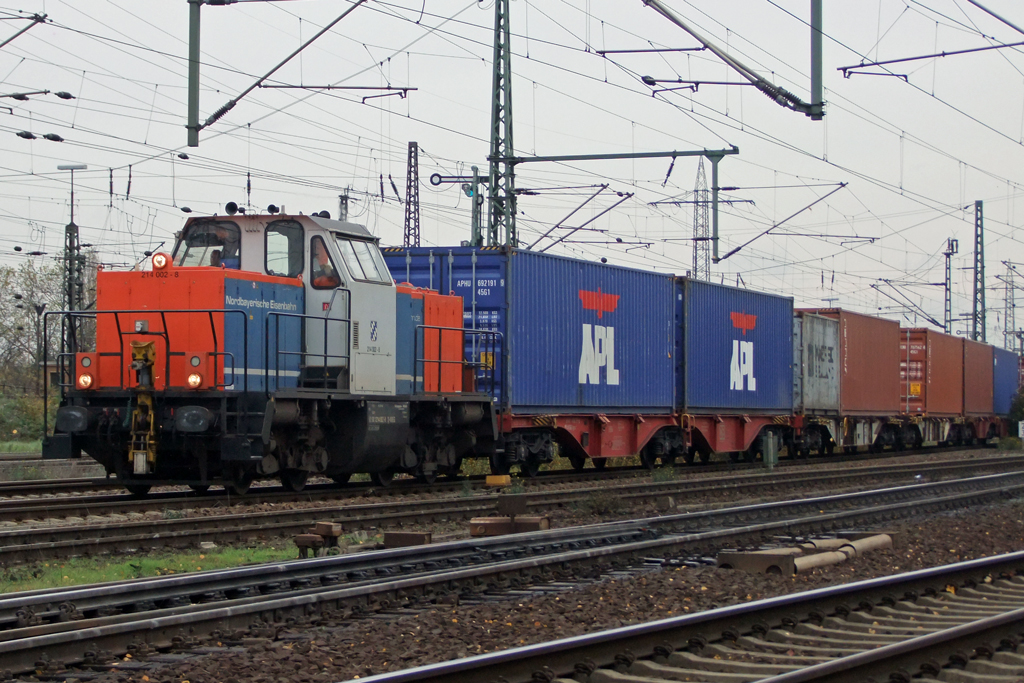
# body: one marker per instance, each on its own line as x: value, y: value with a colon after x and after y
x: 87, y: 624
x: 63, y: 487
x: 48, y: 543
x: 961, y: 623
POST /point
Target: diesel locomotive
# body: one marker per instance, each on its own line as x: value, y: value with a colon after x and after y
x: 270, y: 346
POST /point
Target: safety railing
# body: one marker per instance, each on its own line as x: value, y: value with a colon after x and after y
x: 489, y: 348
x: 70, y: 322
x: 303, y: 364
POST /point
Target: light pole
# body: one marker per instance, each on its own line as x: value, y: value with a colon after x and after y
x: 39, y: 309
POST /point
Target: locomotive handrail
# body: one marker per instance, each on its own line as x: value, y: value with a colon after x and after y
x: 277, y: 315
x: 497, y: 342
x: 66, y: 316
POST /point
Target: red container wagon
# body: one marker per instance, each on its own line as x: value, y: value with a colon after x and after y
x: 932, y: 374
x: 977, y: 379
x: 734, y: 363
x: 869, y: 381
x: 587, y: 351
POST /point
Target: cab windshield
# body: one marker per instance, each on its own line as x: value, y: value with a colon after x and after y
x: 363, y: 260
x: 209, y: 243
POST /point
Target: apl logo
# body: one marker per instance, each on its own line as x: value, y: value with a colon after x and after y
x: 598, y: 340
x: 742, y: 366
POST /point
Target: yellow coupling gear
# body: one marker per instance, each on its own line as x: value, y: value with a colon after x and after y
x: 143, y: 450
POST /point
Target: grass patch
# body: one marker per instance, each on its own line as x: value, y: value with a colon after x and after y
x: 600, y: 503
x: 24, y: 473
x: 1010, y: 443
x: 21, y: 446
x: 87, y: 570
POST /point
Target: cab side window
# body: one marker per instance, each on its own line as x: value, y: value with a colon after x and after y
x: 284, y: 249
x: 324, y: 274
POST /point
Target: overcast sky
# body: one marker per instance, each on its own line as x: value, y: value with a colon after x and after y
x: 916, y: 154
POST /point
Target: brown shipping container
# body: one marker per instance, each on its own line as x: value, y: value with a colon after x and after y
x: 932, y: 373
x: 977, y: 378
x: 869, y: 370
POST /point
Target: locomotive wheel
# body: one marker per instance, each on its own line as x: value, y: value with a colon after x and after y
x: 499, y: 465
x: 382, y: 479
x: 341, y: 478
x: 138, y: 490
x: 294, y: 480
x: 578, y: 462
x: 599, y: 463
x: 200, y: 489
x: 455, y: 471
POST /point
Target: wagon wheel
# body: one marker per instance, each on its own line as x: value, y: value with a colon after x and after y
x: 382, y: 479
x: 240, y: 484
x: 599, y: 463
x: 689, y: 455
x: 138, y: 490
x: 578, y: 462
x: 200, y: 489
x: 427, y: 477
x: 734, y: 456
x: 341, y: 478
x: 530, y: 468
x: 294, y: 480
x: 647, y: 458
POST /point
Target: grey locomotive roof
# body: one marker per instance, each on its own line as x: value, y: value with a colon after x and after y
x: 343, y: 227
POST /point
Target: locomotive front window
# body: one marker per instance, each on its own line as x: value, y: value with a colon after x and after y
x: 209, y: 243
x: 364, y: 260
x: 284, y: 249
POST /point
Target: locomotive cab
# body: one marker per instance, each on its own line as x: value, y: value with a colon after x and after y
x: 266, y: 346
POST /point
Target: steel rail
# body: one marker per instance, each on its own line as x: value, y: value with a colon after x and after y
x: 160, y: 628
x: 44, y: 487
x: 48, y: 543
x: 617, y: 650
x: 21, y: 509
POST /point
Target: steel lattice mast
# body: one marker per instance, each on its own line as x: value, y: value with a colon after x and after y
x: 952, y: 247
x: 412, y: 197
x: 978, y: 315
x: 701, y: 227
x: 501, y: 189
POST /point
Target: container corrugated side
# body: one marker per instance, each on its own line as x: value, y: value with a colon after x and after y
x: 579, y: 336
x: 1005, y: 380
x: 869, y: 363
x: 815, y: 364
x: 589, y: 336
x: 932, y: 372
x: 977, y: 378
x: 738, y: 350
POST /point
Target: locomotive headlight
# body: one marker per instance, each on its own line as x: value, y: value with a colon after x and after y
x: 160, y: 261
x: 195, y: 380
x: 84, y: 380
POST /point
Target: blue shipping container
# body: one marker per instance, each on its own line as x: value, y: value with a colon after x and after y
x: 1005, y: 380
x: 578, y: 336
x: 736, y: 352
x: 262, y: 305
